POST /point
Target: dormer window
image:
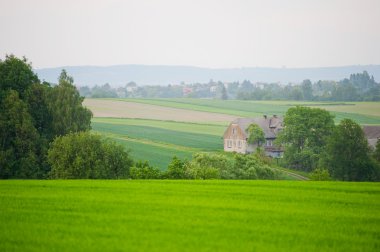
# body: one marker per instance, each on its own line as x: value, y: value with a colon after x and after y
x: 233, y: 131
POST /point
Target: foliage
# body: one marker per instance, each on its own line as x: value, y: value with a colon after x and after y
x: 238, y: 166
x: 320, y: 174
x: 176, y: 169
x: 305, y: 133
x: 65, y: 106
x: 142, y: 170
x: 376, y: 153
x: 85, y: 155
x: 16, y: 74
x: 347, y: 154
x: 32, y: 114
x: 196, y: 171
x: 255, y: 134
x: 18, y: 139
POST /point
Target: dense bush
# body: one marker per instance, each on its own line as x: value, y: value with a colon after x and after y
x: 320, y: 174
x: 87, y: 156
x: 176, y: 169
x: 142, y: 170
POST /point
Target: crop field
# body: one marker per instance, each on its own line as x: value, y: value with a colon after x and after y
x: 361, y: 112
x: 123, y: 109
x: 127, y: 215
x: 161, y: 140
x: 157, y: 129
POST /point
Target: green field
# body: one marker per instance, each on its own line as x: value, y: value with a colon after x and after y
x: 161, y: 140
x: 361, y: 112
x: 125, y: 215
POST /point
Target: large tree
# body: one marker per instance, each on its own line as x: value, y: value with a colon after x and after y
x: 65, y: 105
x: 347, y: 154
x: 32, y: 114
x: 255, y: 134
x: 304, y: 136
x: 18, y: 139
x: 16, y: 74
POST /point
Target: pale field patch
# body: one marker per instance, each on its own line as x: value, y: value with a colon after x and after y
x: 123, y: 109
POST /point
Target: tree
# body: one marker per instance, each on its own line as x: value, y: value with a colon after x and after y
x: 256, y: 134
x: 376, y: 153
x: 307, y: 90
x: 65, y: 106
x: 18, y: 139
x: 176, y: 169
x: 347, y: 154
x: 16, y: 74
x: 224, y: 93
x: 84, y: 155
x: 142, y: 170
x: 304, y: 136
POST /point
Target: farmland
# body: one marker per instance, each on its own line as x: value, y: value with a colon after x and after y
x: 189, y: 215
x: 157, y: 129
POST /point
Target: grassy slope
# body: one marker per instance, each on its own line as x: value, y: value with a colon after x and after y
x: 189, y: 216
x: 363, y: 113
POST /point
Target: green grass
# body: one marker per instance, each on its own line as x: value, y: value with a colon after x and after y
x: 157, y: 155
x: 192, y: 140
x: 130, y: 215
x: 208, y: 129
x: 363, y: 113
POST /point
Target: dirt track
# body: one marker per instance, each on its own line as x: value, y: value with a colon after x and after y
x: 122, y: 109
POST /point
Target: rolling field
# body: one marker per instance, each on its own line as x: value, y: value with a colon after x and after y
x: 122, y: 215
x: 157, y: 129
x: 161, y: 140
x: 361, y: 112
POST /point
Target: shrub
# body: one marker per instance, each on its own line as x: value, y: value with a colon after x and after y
x: 87, y: 156
x: 142, y: 170
x: 320, y: 174
x: 196, y: 171
x: 176, y: 169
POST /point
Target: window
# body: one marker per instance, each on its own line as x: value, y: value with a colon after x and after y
x: 269, y: 143
x: 239, y: 144
x: 233, y: 131
x: 229, y: 143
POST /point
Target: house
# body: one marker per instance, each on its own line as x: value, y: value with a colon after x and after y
x: 372, y: 133
x: 235, y: 137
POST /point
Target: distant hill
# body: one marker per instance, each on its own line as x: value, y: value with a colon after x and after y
x: 163, y: 75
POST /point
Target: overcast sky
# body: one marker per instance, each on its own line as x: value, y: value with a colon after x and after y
x: 207, y: 33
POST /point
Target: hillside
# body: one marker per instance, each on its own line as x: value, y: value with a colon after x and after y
x: 163, y: 75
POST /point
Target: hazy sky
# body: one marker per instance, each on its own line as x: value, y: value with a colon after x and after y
x: 231, y: 33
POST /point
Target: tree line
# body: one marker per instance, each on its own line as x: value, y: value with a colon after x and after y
x: 35, y: 118
x: 313, y: 143
x: 358, y: 87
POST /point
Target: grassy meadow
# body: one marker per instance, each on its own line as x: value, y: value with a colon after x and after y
x: 157, y: 129
x: 120, y: 215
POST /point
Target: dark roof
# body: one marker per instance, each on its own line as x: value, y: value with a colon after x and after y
x: 371, y: 132
x: 270, y: 125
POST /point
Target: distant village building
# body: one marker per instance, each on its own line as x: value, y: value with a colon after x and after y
x: 186, y: 91
x: 213, y: 89
x: 235, y: 137
x: 372, y: 133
